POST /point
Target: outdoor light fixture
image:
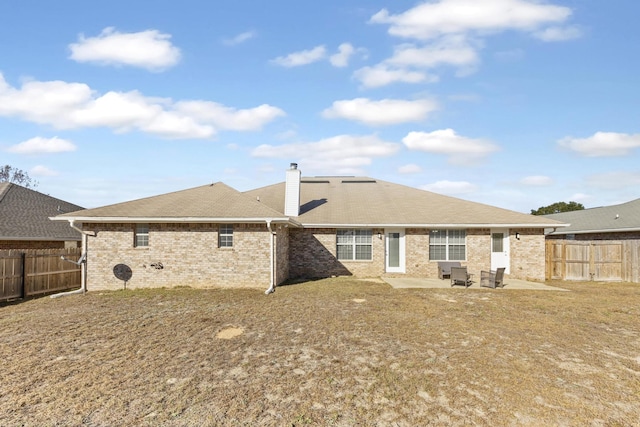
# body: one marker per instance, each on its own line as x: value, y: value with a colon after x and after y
x: 380, y: 236
x: 517, y: 236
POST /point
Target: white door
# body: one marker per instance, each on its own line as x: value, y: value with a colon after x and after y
x: 394, y: 248
x: 500, y: 249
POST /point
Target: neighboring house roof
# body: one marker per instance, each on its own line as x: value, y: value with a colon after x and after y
x: 209, y: 203
x: 605, y: 219
x: 344, y: 201
x: 24, y: 215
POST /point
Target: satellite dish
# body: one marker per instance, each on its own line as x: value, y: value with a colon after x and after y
x: 123, y: 272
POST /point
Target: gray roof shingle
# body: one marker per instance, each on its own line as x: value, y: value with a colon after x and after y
x: 333, y: 201
x: 212, y: 202
x: 615, y: 218
x: 367, y: 201
x: 24, y: 215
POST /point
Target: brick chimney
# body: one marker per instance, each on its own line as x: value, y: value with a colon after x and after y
x: 292, y: 191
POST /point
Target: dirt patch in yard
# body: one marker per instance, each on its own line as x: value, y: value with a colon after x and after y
x: 229, y: 333
x: 337, y: 352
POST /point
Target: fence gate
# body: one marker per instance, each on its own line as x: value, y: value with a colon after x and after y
x: 586, y: 260
x: 11, y: 274
x: 37, y: 272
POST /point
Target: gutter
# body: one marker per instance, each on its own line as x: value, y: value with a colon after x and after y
x: 272, y: 260
x: 82, y: 262
x: 380, y: 225
x: 170, y: 220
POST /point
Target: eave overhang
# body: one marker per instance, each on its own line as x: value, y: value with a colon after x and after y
x: 169, y: 220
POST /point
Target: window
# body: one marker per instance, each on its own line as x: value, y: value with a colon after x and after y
x: 354, y: 245
x: 447, y: 245
x: 142, y: 236
x: 225, y: 236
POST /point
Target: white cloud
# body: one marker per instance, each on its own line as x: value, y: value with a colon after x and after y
x: 40, y: 170
x: 75, y: 105
x: 557, y: 34
x: 148, y: 49
x: 453, y: 51
x: 40, y: 145
x: 431, y: 20
x: 536, y: 180
x: 341, y: 59
x: 409, y: 169
x: 382, y: 75
x: 240, y: 38
x: 451, y: 187
x: 602, y: 144
x: 342, y: 154
x: 452, y: 32
x: 227, y: 118
x: 382, y: 112
x: 344, y: 54
x: 461, y: 150
x: 303, y: 57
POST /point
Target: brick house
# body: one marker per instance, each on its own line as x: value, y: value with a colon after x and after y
x: 302, y: 228
x: 616, y: 222
x: 24, y: 220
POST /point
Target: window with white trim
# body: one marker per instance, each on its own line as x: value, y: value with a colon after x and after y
x: 141, y: 238
x: 225, y: 236
x: 354, y: 245
x: 447, y: 245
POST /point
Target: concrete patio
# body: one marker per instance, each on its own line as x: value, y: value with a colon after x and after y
x: 430, y: 283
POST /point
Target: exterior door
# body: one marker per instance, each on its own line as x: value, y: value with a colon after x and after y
x: 500, y: 249
x: 394, y: 248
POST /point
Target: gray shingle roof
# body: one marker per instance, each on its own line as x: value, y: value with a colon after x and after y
x: 616, y: 218
x: 24, y: 215
x: 366, y: 201
x: 215, y: 202
x: 333, y: 201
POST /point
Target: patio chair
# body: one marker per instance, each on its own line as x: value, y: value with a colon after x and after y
x: 459, y: 276
x: 444, y: 268
x: 492, y: 279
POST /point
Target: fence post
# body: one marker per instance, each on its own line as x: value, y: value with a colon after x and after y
x: 23, y: 259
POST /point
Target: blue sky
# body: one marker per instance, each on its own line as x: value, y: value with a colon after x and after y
x: 514, y: 103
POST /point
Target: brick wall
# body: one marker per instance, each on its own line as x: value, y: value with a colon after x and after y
x: 528, y: 254
x: 417, y: 249
x: 281, y: 243
x: 313, y: 254
x: 189, y: 254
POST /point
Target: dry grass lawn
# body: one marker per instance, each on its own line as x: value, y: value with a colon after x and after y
x: 338, y: 352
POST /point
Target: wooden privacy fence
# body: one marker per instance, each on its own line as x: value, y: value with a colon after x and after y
x: 597, y: 260
x: 37, y: 272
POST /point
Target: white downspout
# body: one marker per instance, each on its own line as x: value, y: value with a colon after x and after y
x: 82, y: 261
x: 272, y: 285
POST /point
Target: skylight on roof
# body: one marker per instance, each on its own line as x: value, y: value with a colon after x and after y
x: 359, y: 181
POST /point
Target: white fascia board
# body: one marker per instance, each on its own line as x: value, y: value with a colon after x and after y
x: 435, y: 225
x: 145, y: 220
